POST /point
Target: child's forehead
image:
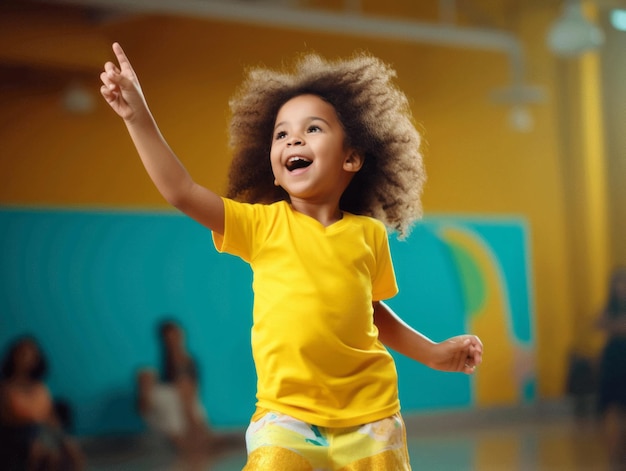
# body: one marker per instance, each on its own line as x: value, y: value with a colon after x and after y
x: 304, y: 105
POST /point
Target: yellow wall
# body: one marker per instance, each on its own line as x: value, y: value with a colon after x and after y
x: 476, y: 163
x: 613, y: 79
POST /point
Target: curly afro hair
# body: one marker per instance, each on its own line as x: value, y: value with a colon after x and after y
x: 377, y: 121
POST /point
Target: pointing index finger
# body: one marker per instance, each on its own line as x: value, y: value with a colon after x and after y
x: 121, y: 57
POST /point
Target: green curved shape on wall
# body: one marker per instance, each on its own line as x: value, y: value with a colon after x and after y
x: 473, y: 283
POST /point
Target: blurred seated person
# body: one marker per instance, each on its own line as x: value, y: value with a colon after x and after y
x: 31, y: 434
x: 612, y: 370
x: 170, y: 405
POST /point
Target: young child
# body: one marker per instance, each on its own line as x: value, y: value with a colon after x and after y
x: 324, y: 159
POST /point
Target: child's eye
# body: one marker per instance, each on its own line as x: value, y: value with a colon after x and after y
x: 313, y: 128
x: 280, y: 135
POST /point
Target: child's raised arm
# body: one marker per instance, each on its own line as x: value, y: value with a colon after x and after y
x: 122, y: 91
x: 462, y: 353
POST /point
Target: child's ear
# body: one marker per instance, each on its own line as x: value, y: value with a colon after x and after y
x: 353, y: 162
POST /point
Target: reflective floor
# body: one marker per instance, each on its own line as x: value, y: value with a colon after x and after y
x: 523, y: 440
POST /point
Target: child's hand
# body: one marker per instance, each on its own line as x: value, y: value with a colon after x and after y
x: 462, y: 353
x: 121, y: 87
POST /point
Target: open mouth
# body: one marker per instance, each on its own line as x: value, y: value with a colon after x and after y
x: 295, y: 163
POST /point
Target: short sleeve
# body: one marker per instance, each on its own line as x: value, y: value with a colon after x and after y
x: 246, y: 228
x: 384, y: 285
x: 239, y: 230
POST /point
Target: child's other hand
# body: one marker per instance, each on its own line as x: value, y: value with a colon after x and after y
x: 462, y: 353
x: 121, y: 87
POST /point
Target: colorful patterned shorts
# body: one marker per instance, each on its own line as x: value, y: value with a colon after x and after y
x: 280, y: 442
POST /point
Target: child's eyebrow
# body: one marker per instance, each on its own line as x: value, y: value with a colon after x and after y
x: 308, y: 120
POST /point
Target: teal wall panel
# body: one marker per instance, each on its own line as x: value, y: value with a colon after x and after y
x: 91, y: 287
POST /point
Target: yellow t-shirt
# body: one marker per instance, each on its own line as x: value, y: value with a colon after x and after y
x: 314, y: 342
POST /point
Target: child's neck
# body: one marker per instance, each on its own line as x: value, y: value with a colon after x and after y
x: 326, y: 214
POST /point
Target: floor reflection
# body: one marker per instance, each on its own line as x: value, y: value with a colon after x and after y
x: 522, y: 441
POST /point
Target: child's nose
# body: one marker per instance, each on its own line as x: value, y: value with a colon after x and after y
x: 295, y: 141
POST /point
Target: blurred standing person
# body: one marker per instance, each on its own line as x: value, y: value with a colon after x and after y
x: 31, y: 433
x: 612, y: 378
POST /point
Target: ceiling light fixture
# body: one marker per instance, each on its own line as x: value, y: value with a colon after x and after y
x: 572, y: 33
x: 618, y: 19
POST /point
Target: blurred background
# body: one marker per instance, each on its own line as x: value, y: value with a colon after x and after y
x: 522, y: 108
